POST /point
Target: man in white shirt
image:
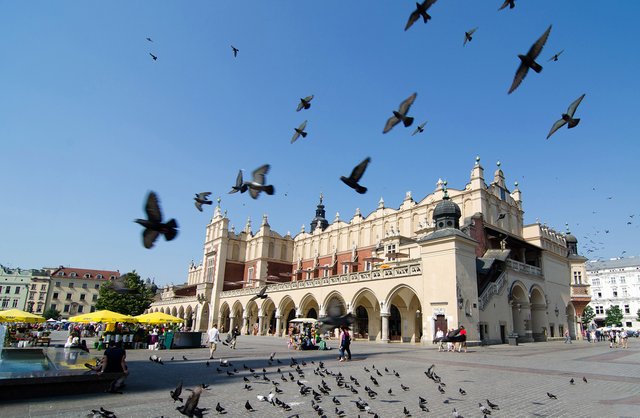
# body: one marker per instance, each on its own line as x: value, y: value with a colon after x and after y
x: 214, y: 339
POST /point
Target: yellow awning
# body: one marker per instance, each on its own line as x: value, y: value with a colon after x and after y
x: 16, y: 315
x: 102, y: 316
x: 157, y: 318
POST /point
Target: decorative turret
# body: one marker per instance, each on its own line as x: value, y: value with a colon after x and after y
x: 446, y: 214
x: 319, y: 221
x: 572, y: 242
x: 498, y: 176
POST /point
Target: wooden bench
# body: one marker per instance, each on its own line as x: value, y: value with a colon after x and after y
x: 42, y: 341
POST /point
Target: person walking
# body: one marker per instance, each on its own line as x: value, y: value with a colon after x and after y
x: 567, y: 337
x: 345, y: 344
x: 214, y: 339
x: 235, y: 333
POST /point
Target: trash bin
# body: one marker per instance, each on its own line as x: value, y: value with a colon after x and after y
x: 513, y: 339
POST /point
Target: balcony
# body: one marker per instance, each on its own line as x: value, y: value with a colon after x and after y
x: 580, y: 291
x: 523, y: 268
x: 399, y: 270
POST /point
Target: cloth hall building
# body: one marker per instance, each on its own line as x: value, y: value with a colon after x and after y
x: 455, y: 257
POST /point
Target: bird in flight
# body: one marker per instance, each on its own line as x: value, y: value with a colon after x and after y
x: 356, y: 175
x: 401, y: 114
x: 299, y: 131
x: 153, y: 226
x: 240, y: 186
x: 153, y: 56
x: 551, y: 395
x: 262, y: 294
x: 235, y: 51
x: 567, y: 118
x: 421, y: 10
x: 149, y: 39
x: 419, y: 128
x: 175, y: 394
x: 555, y: 57
x: 528, y: 61
x: 257, y: 183
x: 304, y: 103
x: 502, y: 215
x: 510, y: 3
x: 201, y: 199
x: 468, y: 37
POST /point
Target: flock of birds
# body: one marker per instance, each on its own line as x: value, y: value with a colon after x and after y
x: 304, y: 386
x: 154, y: 226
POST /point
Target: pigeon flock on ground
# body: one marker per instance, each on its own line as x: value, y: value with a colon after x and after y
x: 258, y: 184
x: 303, y: 386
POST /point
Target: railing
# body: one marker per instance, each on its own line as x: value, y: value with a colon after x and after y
x: 524, y: 268
x: 493, y: 288
x: 406, y: 269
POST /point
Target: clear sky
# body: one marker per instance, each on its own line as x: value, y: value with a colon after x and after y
x: 89, y: 123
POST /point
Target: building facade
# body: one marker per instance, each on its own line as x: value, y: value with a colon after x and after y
x: 73, y: 291
x: 455, y: 257
x: 14, y: 286
x: 615, y: 282
x: 38, y: 291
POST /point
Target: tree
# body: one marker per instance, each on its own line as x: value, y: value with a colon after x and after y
x: 587, y: 316
x: 127, y: 295
x: 51, y: 313
x: 614, y: 316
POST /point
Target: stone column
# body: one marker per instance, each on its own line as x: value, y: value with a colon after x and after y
x: 232, y: 323
x: 245, y: 323
x: 277, y: 332
x: 385, y: 326
x: 260, y: 322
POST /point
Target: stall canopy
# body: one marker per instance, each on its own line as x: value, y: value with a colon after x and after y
x: 102, y: 316
x: 16, y: 315
x: 157, y: 318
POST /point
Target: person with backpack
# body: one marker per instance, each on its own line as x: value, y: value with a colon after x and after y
x: 345, y: 344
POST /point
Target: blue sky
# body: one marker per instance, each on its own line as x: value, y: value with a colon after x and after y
x: 89, y: 123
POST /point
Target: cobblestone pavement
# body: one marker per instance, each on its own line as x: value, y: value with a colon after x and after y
x: 517, y: 378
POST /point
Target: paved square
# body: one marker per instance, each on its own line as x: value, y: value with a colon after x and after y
x: 517, y: 378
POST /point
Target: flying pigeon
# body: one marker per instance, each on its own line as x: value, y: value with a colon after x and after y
x: 528, y: 61
x: 304, y: 103
x: 502, y: 215
x: 257, y: 184
x: 551, y: 395
x: 356, y: 175
x: 510, y: 3
x: 190, y: 407
x: 149, y: 39
x: 153, y: 56
x: 235, y: 51
x: 555, y: 57
x: 175, y: 394
x: 299, y: 131
x: 153, y: 226
x: 240, y: 186
x: 334, y: 317
x: 468, y: 37
x: 201, y: 199
x: 419, y: 128
x: 567, y: 118
x: 401, y: 114
x: 421, y: 10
